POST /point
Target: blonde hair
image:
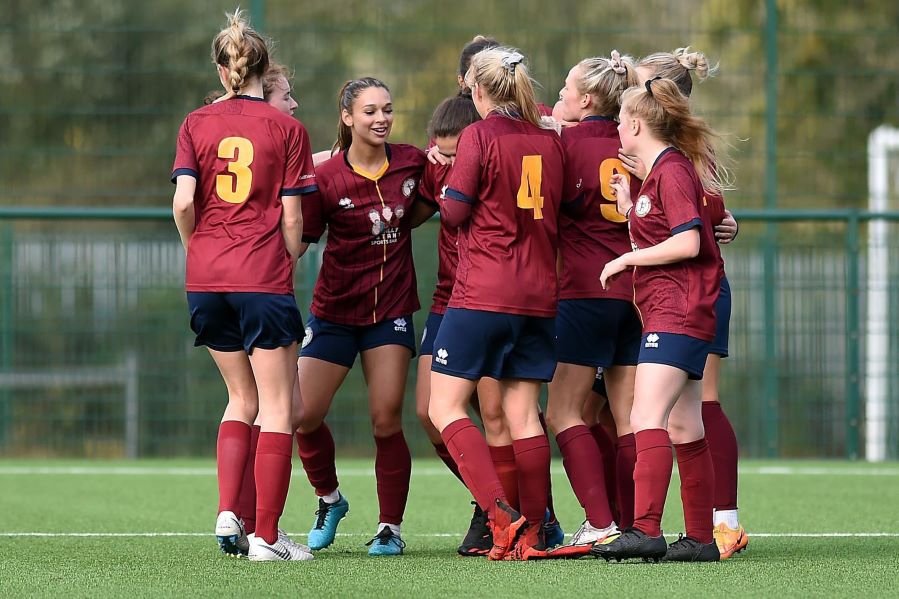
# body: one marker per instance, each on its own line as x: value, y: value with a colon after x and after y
x: 666, y: 112
x: 241, y: 50
x: 273, y: 74
x: 502, y: 75
x: 345, y: 99
x: 678, y: 66
x: 605, y: 79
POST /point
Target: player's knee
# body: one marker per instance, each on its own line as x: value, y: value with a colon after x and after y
x: 386, y: 422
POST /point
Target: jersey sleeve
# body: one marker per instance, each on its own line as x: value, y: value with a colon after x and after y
x: 680, y: 203
x: 299, y: 173
x: 429, y: 190
x: 185, y: 154
x: 465, y: 177
x: 313, y: 217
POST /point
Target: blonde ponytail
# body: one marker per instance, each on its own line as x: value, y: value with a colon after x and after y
x: 678, y: 66
x: 503, y: 76
x: 241, y: 50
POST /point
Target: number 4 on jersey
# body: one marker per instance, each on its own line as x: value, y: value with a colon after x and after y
x: 529, y: 196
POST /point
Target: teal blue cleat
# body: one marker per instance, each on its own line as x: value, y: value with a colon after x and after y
x: 386, y: 543
x: 326, y: 519
x: 552, y: 531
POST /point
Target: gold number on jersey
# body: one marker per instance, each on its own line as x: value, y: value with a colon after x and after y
x: 607, y: 168
x: 234, y: 187
x: 529, y: 196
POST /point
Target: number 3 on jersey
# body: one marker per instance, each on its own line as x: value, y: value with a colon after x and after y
x: 529, y: 196
x: 234, y: 187
x: 607, y: 168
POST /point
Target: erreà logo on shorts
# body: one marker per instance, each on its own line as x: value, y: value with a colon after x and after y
x: 441, y: 356
x: 652, y: 341
x: 399, y: 325
x: 308, y: 337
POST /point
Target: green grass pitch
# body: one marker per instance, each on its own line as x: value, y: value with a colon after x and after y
x: 817, y: 529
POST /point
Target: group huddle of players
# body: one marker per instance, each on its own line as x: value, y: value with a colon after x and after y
x: 578, y: 247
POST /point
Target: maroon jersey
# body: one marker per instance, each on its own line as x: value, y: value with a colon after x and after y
x: 714, y: 205
x: 597, y: 234
x: 511, y: 172
x: 367, y: 274
x: 432, y: 183
x: 245, y: 155
x: 680, y: 297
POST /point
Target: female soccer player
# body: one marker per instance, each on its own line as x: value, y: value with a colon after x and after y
x: 595, y: 327
x: 362, y: 304
x: 676, y: 283
x: 504, y: 191
x: 679, y: 66
x: 239, y: 170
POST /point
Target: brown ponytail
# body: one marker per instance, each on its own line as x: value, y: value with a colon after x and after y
x: 679, y: 66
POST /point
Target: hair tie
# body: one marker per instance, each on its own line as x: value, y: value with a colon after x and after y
x: 649, y: 85
x: 511, y: 60
x: 615, y: 63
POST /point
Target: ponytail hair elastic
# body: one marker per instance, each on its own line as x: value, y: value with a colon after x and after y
x: 511, y: 60
x: 649, y: 85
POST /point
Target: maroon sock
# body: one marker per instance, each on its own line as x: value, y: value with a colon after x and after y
x: 316, y: 450
x: 246, y: 504
x: 549, y: 480
x: 725, y: 453
x: 503, y: 458
x: 532, y: 462
x: 607, y: 450
x: 272, y: 479
x: 697, y: 488
x: 393, y: 468
x: 469, y: 450
x: 444, y: 454
x: 231, y: 451
x: 652, y: 475
x: 581, y: 456
x: 625, y: 460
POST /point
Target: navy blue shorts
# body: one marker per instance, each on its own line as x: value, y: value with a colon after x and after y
x: 432, y: 325
x: 240, y: 321
x: 474, y: 343
x: 599, y: 384
x: 340, y: 344
x: 681, y: 351
x: 598, y: 332
x: 722, y: 321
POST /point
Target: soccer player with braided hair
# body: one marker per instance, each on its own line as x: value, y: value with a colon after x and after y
x: 240, y: 169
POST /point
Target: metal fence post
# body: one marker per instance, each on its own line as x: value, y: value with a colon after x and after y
x: 853, y: 341
x: 6, y: 320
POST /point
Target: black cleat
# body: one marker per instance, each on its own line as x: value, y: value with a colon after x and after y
x: 478, y: 540
x: 688, y: 549
x: 631, y: 543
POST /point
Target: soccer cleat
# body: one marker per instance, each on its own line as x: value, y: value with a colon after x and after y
x: 282, y: 550
x: 283, y: 534
x: 552, y: 530
x: 386, y: 542
x: 478, y: 540
x: 326, y: 519
x: 729, y: 540
x: 530, y: 545
x: 587, y: 534
x: 230, y: 533
x: 506, y: 526
x: 632, y: 543
x: 688, y: 549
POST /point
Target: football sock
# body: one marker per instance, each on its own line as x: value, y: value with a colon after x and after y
x: 503, y: 458
x: 625, y: 460
x: 725, y: 453
x: 272, y: 479
x: 532, y: 461
x: 316, y: 451
x: 332, y: 497
x: 652, y: 475
x: 246, y: 504
x: 446, y: 458
x: 549, y: 482
x: 232, y: 449
x: 580, y: 457
x: 729, y: 518
x: 697, y: 487
x: 393, y: 468
x: 608, y: 452
x: 469, y: 450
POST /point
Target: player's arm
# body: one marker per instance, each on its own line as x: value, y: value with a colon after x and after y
x: 680, y: 246
x: 183, y: 207
x: 421, y: 211
x: 726, y: 231
x: 292, y: 225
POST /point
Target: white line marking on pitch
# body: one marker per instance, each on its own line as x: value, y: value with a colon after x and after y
x: 366, y: 472
x: 810, y: 535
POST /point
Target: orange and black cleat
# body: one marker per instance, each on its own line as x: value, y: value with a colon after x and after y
x: 531, y: 545
x: 730, y: 540
x: 507, y: 525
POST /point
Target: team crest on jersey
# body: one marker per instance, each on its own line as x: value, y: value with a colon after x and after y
x: 308, y: 338
x: 408, y: 187
x: 643, y: 206
x: 346, y: 203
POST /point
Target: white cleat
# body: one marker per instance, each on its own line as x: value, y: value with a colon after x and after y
x: 231, y: 536
x: 588, y: 535
x: 282, y: 550
x: 283, y: 535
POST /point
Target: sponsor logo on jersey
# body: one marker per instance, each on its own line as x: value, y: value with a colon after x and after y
x: 385, y: 225
x: 652, y: 341
x: 643, y: 206
x: 441, y: 356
